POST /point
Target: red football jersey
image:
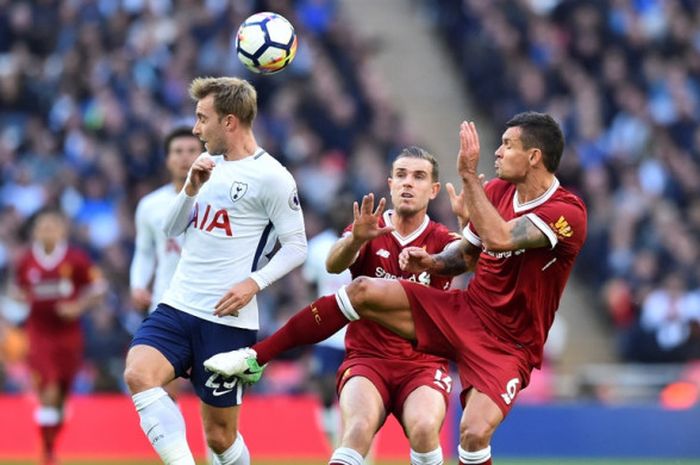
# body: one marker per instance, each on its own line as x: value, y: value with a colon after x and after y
x: 48, y: 280
x: 379, y: 258
x: 516, y: 293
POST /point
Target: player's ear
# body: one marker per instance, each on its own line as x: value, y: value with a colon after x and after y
x: 535, y: 156
x: 231, y: 122
x: 435, y: 190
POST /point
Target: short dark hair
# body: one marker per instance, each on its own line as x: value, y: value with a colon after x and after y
x: 27, y: 227
x: 49, y: 210
x: 417, y: 152
x: 539, y: 130
x: 182, y: 131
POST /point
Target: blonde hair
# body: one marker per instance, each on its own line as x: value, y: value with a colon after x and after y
x: 232, y: 96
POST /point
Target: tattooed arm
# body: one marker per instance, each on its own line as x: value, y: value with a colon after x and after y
x: 525, y: 235
x: 456, y: 258
x: 495, y: 233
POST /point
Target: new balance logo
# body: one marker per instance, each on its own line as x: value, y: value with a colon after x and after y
x: 223, y: 387
x: 424, y: 278
x: 383, y: 253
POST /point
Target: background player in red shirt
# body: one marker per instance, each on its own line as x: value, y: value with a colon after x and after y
x: 59, y: 283
x: 525, y: 231
x: 382, y: 373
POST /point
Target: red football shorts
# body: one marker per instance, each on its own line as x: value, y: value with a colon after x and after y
x: 396, y: 379
x: 446, y: 325
x: 55, y: 357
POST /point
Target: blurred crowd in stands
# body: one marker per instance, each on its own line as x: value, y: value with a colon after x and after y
x: 623, y: 78
x: 88, y: 89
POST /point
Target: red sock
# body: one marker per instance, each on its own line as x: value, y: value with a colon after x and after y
x: 312, y: 324
x: 488, y: 462
x: 48, y: 438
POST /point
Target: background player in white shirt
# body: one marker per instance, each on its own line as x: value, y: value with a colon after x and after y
x: 236, y: 200
x: 329, y: 353
x: 155, y: 254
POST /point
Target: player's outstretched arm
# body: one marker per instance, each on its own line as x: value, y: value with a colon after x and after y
x: 458, y: 204
x: 365, y: 227
x: 496, y: 234
x: 493, y: 230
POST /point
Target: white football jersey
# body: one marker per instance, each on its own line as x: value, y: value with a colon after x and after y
x: 237, y: 216
x: 154, y: 251
x: 327, y: 283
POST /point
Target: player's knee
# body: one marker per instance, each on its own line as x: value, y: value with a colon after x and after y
x: 131, y: 379
x: 476, y: 434
x: 424, y: 433
x: 359, y: 291
x: 137, y: 379
x: 359, y: 431
x: 219, y: 439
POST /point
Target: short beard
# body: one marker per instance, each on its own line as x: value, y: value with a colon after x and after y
x: 406, y: 211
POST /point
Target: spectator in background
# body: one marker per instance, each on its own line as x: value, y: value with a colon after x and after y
x: 13, y: 349
x: 60, y: 284
x: 669, y: 321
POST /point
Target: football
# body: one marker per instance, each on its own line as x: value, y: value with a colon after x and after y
x: 266, y: 43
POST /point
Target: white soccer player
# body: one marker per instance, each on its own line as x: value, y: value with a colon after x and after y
x: 236, y: 200
x: 155, y: 254
x: 329, y: 353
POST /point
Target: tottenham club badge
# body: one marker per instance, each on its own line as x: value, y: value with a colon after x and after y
x: 238, y: 190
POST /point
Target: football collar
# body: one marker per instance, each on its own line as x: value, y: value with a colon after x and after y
x: 520, y: 207
x: 404, y: 240
x: 49, y: 261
